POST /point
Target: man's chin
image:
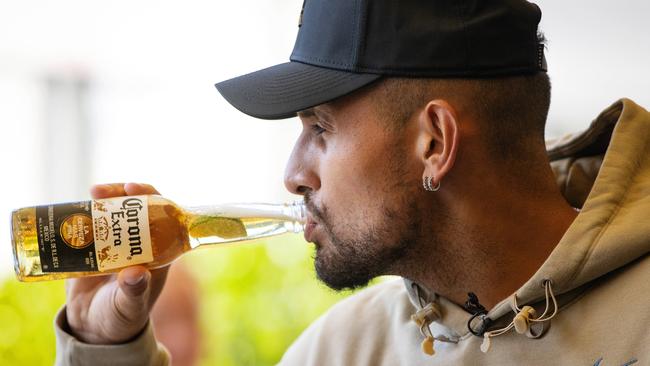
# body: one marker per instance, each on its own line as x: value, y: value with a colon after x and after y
x: 338, y: 277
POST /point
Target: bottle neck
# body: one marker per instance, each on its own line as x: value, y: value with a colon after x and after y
x: 287, y: 212
x: 227, y: 223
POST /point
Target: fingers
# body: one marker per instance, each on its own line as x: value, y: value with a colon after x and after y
x: 120, y: 189
x: 131, y: 299
x: 74, y: 286
x: 134, y: 280
x: 107, y: 190
x: 133, y: 189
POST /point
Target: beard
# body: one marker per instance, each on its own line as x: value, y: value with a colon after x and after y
x: 356, y: 254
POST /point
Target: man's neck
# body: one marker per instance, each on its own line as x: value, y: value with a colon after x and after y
x: 491, y: 248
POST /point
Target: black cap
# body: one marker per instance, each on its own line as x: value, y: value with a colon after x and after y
x: 343, y: 45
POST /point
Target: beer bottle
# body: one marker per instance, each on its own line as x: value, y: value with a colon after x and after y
x: 105, y: 235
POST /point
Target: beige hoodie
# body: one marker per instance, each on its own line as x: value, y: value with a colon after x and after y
x: 595, y: 284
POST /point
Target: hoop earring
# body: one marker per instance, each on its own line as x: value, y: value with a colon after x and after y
x: 428, y: 186
x: 436, y: 188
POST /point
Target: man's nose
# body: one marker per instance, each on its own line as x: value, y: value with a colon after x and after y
x: 300, y: 175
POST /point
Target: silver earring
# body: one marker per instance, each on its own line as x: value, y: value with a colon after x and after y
x: 436, y: 188
x: 426, y: 183
x: 428, y: 186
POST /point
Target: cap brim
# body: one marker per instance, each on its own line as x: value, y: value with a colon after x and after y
x: 283, y: 90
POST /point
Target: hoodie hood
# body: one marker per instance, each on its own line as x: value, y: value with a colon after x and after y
x: 613, y: 192
x: 609, y: 232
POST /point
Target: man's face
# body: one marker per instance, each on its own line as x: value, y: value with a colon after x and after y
x: 361, y: 182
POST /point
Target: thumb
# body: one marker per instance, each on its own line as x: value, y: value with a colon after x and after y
x: 131, y: 299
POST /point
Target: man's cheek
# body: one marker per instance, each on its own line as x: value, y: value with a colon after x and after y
x: 340, y: 197
x: 355, y: 175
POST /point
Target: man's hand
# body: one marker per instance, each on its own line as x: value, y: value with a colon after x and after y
x: 113, y: 309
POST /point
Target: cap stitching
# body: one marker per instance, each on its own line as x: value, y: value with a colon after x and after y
x: 355, y: 33
x: 540, y: 57
x: 377, y: 69
x: 314, y: 80
x: 438, y: 72
x: 300, y: 57
x: 287, y: 97
x: 301, y: 91
x: 359, y: 34
x: 463, y: 23
x: 450, y: 73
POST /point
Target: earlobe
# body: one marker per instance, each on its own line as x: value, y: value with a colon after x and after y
x: 439, y: 135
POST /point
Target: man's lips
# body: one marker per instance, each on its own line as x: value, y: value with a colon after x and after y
x: 310, y: 225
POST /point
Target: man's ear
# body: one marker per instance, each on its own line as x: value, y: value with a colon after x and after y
x: 438, y: 140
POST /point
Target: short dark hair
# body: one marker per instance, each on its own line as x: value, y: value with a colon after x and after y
x: 511, y: 111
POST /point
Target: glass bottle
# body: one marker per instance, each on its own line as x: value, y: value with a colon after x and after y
x: 105, y: 235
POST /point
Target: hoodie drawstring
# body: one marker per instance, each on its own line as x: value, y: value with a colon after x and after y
x: 524, y: 318
x: 423, y: 318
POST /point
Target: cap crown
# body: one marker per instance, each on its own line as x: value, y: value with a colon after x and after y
x: 434, y: 38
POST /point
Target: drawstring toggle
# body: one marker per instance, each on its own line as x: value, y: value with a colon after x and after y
x: 427, y: 346
x: 525, y: 317
x: 485, y: 346
x: 424, y: 317
x: 522, y: 319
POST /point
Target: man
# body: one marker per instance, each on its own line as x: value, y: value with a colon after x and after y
x: 422, y: 155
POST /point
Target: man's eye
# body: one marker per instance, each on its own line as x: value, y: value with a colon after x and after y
x: 318, y: 129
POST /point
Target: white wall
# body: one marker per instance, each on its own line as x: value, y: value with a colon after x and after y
x: 598, y: 52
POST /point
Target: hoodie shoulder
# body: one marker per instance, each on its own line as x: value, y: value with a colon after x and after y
x: 366, y: 328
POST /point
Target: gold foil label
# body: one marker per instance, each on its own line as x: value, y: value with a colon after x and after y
x: 121, y: 232
x: 77, y: 230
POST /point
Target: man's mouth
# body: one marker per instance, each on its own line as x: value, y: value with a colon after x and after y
x: 313, y: 220
x: 310, y: 225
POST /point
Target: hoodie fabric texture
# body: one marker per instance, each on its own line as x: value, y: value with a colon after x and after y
x: 586, y: 305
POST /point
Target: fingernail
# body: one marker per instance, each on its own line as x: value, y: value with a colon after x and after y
x: 134, y: 281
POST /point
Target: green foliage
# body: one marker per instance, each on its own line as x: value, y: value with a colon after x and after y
x: 256, y: 298
x: 26, y: 316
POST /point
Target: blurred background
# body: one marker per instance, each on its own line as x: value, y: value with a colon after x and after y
x: 119, y: 91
